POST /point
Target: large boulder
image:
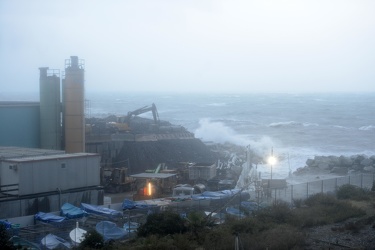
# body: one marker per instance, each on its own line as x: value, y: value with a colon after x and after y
x: 339, y: 170
x: 369, y: 169
x: 366, y: 162
x: 322, y: 162
x: 358, y: 158
x: 357, y: 167
x: 333, y: 161
x: 345, y: 161
x: 310, y: 162
x: 324, y: 165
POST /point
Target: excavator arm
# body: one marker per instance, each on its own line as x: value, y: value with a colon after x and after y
x: 142, y: 110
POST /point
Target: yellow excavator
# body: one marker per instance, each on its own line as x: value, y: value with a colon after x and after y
x: 123, y: 122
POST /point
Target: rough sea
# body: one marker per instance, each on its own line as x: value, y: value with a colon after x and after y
x: 295, y: 126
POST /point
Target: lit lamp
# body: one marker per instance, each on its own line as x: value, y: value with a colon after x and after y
x: 272, y: 161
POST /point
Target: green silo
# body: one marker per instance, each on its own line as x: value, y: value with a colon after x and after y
x: 50, y: 109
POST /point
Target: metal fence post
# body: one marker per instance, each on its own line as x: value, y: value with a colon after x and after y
x: 291, y: 193
x: 336, y: 184
x: 307, y: 190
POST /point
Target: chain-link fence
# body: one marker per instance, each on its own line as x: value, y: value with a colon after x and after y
x: 304, y: 190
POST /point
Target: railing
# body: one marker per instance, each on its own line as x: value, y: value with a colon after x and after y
x: 9, y: 190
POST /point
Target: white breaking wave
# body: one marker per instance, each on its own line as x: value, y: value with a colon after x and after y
x: 340, y: 127
x: 367, y: 128
x: 291, y: 123
x: 217, y: 104
x: 217, y: 132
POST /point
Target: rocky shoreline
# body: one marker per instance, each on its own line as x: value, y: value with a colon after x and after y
x: 340, y: 165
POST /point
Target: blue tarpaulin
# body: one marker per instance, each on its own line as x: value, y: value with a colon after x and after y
x: 129, y: 204
x: 93, y: 209
x: 6, y: 224
x: 110, y: 231
x: 235, y: 212
x: 48, y: 217
x: 219, y: 194
x: 71, y: 212
x: 51, y: 241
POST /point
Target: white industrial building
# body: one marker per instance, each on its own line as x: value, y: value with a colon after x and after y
x: 39, y: 179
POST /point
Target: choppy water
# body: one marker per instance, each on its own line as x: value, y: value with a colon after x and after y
x: 296, y: 126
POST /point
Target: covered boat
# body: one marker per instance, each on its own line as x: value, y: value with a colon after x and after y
x: 235, y: 212
x: 48, y: 217
x: 110, y: 231
x: 51, y: 241
x: 221, y: 197
x: 72, y: 212
x: 20, y: 243
x: 129, y: 204
x: 103, y: 211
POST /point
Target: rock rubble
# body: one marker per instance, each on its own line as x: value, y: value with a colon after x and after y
x: 340, y: 164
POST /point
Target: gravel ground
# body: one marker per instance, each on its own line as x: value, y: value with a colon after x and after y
x: 355, y: 233
x: 338, y: 237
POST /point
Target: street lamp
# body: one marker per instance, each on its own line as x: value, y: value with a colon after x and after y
x: 272, y: 161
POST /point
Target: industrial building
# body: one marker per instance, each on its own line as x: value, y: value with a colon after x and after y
x: 33, y: 180
x: 202, y: 171
x: 20, y: 124
x: 43, y: 162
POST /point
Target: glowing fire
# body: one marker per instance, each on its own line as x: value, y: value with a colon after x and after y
x: 149, y: 189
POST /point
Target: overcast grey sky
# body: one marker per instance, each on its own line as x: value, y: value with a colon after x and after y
x: 196, y: 45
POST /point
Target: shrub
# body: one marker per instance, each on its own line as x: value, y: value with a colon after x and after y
x: 92, y: 240
x: 248, y: 226
x: 279, y: 212
x: 348, y: 191
x: 219, y: 238
x: 280, y: 237
x: 320, y: 199
x: 5, y: 243
x: 297, y: 203
x: 163, y: 223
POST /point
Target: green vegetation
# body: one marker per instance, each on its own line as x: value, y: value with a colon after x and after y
x: 352, y: 192
x: 164, y: 223
x: 93, y: 240
x: 279, y: 226
x: 4, y: 239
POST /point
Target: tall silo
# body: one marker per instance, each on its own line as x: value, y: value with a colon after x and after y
x: 50, y: 109
x: 73, y: 105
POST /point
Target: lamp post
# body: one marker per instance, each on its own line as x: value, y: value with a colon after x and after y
x: 271, y: 161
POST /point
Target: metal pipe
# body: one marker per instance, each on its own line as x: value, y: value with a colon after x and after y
x: 59, y: 190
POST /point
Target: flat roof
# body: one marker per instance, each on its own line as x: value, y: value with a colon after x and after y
x: 18, y: 103
x: 50, y: 157
x: 19, y: 152
x: 152, y: 175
